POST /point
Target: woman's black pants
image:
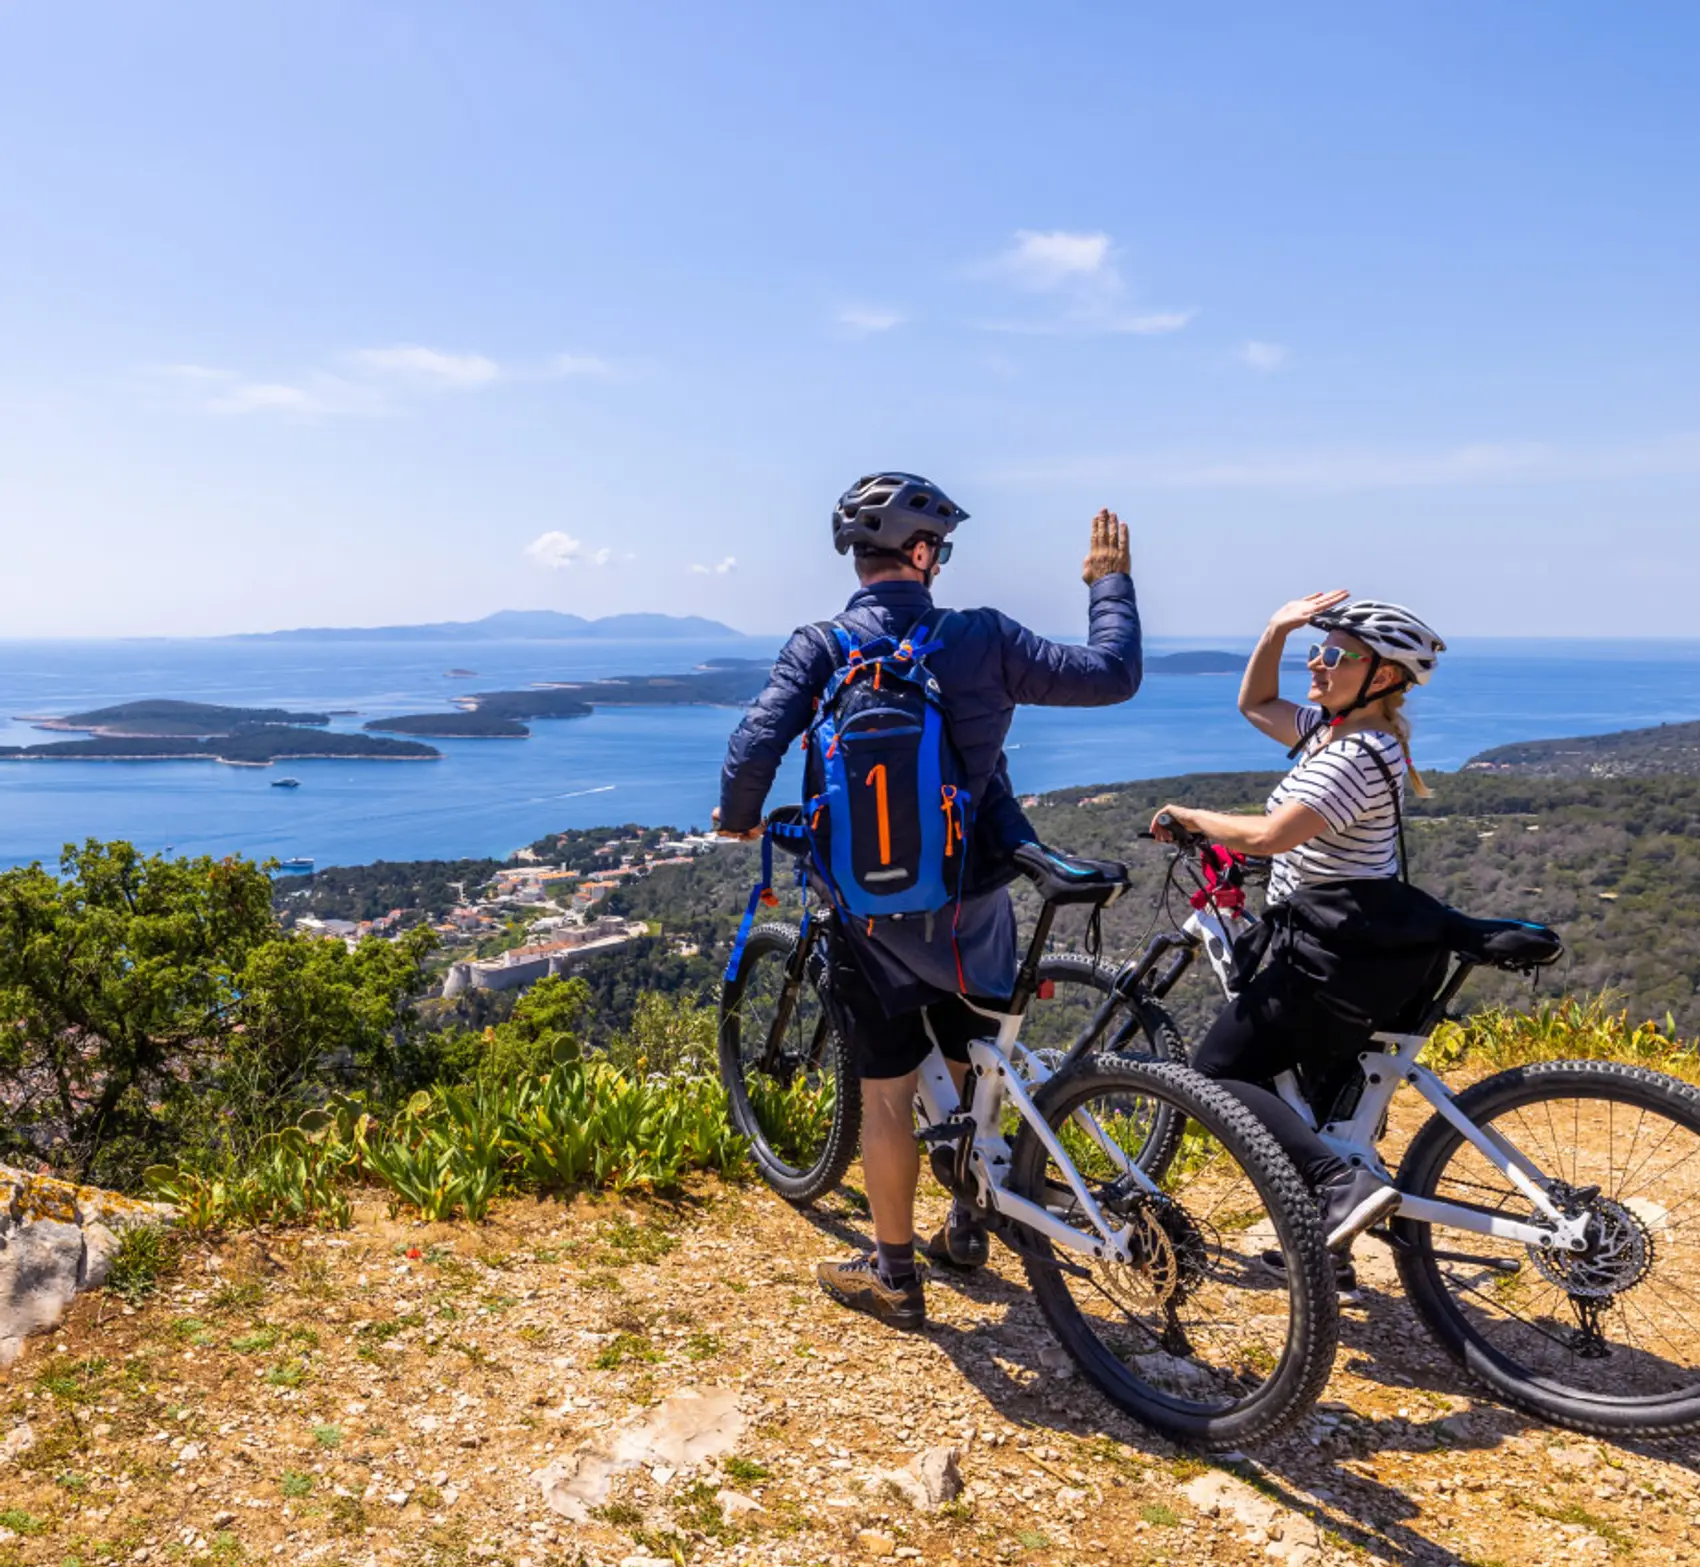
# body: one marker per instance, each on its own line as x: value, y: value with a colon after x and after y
x: 1270, y: 1027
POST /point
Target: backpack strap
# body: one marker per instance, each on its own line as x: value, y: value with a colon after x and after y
x: 1392, y: 794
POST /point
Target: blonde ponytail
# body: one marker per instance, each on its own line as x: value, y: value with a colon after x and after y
x: 1393, y: 706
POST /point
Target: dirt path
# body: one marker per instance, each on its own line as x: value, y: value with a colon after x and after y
x: 388, y: 1395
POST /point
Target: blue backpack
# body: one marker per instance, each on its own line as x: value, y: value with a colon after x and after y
x: 884, y: 795
x: 885, y: 822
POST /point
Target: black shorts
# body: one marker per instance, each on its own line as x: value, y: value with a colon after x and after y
x: 883, y: 1046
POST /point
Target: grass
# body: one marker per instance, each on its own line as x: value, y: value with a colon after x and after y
x: 20, y: 1522
x: 291, y: 1374
x: 295, y: 1484
x: 256, y: 1342
x: 328, y: 1436
x: 1575, y: 1513
x: 623, y: 1243
x: 746, y: 1471
x: 1159, y: 1516
x: 146, y: 1254
x: 623, y: 1347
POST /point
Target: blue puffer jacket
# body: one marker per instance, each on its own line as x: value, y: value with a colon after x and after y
x: 988, y: 666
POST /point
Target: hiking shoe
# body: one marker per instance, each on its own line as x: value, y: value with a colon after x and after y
x: 960, y: 1244
x: 1351, y: 1202
x: 857, y: 1284
x: 1345, y: 1275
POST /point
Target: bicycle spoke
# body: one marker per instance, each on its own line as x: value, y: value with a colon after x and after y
x: 1621, y: 1319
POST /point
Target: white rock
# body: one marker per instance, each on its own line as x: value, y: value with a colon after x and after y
x: 735, y: 1505
x: 929, y: 1481
x: 687, y: 1428
x: 20, y: 1439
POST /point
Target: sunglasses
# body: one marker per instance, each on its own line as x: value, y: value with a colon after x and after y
x: 1331, y: 657
x: 941, y: 552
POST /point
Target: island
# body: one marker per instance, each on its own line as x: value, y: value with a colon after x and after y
x: 451, y: 726
x: 165, y: 718
x: 1204, y: 661
x: 256, y: 747
x: 1625, y: 753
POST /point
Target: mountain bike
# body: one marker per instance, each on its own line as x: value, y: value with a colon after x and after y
x: 1548, y: 1227
x: 1141, y: 1246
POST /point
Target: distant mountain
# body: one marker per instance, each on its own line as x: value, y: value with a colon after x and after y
x: 536, y: 625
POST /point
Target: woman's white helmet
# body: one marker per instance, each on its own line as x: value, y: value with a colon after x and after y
x: 1390, y: 631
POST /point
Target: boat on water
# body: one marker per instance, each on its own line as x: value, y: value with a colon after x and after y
x: 286, y: 783
x: 296, y: 867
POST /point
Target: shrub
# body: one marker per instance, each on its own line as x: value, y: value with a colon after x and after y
x: 146, y: 1254
x: 1561, y: 1031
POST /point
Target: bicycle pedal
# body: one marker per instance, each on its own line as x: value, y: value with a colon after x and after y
x: 952, y: 1131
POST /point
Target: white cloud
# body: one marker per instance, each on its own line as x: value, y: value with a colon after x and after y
x: 430, y: 366
x: 1486, y: 462
x: 1079, y: 277
x: 559, y: 551
x: 1264, y: 356
x: 368, y: 381
x: 1054, y: 259
x: 729, y: 564
x: 865, y: 319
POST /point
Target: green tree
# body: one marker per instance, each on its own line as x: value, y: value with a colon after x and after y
x: 670, y: 1036
x: 147, y: 997
x: 546, y: 1026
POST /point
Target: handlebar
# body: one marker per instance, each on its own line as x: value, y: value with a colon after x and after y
x: 1183, y: 837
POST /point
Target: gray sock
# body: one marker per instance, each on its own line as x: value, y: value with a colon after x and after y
x: 895, y: 1264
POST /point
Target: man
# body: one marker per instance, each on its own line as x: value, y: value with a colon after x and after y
x: 901, y: 986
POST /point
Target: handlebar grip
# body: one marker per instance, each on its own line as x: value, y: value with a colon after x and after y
x: 1185, y: 837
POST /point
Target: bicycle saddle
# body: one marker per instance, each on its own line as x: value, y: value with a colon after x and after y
x: 1061, y: 878
x: 1507, y: 944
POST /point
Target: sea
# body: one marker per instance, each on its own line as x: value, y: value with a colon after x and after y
x: 659, y: 766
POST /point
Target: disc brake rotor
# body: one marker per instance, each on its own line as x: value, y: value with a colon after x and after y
x: 1170, y: 1255
x: 1619, y: 1255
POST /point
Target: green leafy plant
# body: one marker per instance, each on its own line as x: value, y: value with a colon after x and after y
x: 146, y: 1254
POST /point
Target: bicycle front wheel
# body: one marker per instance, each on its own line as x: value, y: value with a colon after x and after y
x: 1221, y: 1332
x: 789, y: 1086
x: 1606, y: 1340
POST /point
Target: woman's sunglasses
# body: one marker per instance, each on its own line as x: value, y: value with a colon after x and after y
x: 1331, y: 657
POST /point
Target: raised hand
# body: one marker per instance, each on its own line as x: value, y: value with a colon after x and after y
x: 1109, y: 550
x: 1289, y: 617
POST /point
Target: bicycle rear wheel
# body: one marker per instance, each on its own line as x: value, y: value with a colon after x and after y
x: 1607, y: 1340
x: 1198, y: 1338
x: 1078, y: 987
x: 789, y: 1086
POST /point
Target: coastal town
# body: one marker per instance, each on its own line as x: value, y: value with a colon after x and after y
x: 539, y: 914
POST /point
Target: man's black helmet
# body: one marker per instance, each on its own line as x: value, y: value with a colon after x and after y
x: 884, y: 511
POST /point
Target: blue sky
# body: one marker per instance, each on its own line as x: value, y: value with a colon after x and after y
x: 334, y: 314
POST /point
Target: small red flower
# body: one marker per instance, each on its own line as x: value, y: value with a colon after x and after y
x: 414, y: 1254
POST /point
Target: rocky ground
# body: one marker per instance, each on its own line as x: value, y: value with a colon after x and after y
x: 671, y: 1376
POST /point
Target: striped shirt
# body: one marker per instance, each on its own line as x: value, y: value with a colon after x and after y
x: 1338, y: 780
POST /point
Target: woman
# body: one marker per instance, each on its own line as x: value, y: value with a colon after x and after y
x: 1335, y: 818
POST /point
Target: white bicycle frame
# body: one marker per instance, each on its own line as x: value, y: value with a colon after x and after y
x: 1215, y: 931
x: 995, y: 1080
